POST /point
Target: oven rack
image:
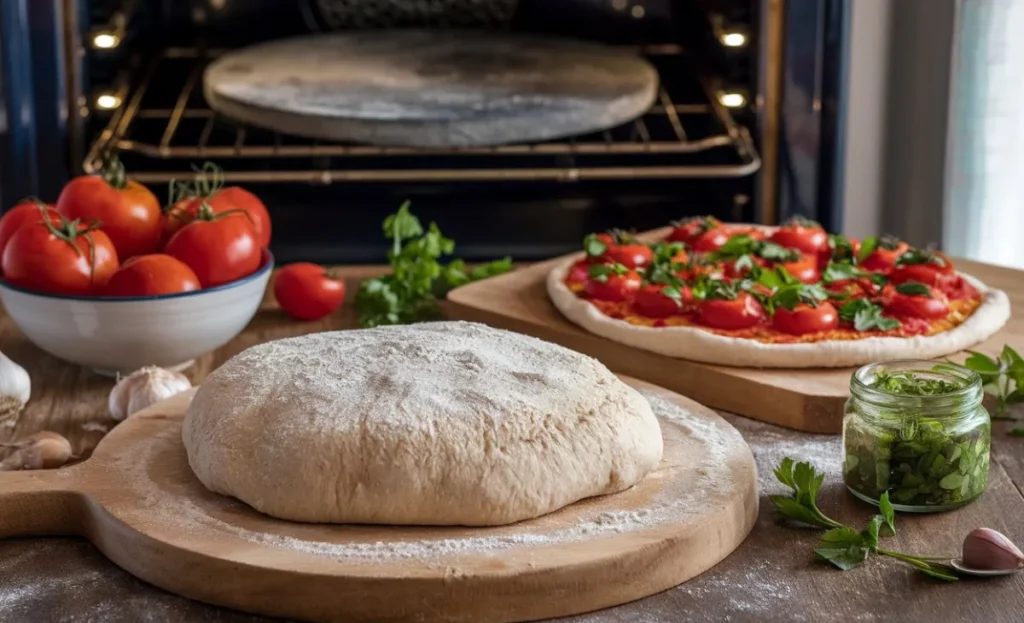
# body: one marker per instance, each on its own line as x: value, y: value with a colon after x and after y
x: 165, y: 128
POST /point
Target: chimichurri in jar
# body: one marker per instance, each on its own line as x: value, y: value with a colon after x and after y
x: 916, y: 429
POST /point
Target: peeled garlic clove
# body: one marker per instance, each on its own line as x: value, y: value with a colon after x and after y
x: 15, y: 387
x: 989, y: 550
x: 42, y: 450
x: 143, y: 388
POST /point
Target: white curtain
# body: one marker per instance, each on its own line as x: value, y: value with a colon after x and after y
x: 984, y: 212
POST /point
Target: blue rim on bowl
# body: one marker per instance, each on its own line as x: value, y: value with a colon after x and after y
x: 266, y: 265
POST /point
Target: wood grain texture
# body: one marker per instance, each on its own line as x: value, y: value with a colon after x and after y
x: 431, y: 88
x: 137, y: 500
x: 772, y: 577
x: 803, y: 399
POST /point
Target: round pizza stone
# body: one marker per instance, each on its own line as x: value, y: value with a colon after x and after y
x: 438, y: 89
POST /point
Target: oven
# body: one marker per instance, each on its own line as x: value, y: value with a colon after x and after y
x: 747, y: 125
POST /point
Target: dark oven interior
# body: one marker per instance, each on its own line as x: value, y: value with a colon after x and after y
x: 694, y: 152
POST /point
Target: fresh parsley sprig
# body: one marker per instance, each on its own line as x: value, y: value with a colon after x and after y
x: 843, y: 546
x: 1003, y: 377
x: 410, y: 293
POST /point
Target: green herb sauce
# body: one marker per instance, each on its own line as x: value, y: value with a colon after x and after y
x: 933, y: 460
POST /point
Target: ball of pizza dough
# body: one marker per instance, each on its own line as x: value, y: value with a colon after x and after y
x: 445, y: 423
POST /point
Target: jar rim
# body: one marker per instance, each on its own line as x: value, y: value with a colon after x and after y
x: 968, y: 395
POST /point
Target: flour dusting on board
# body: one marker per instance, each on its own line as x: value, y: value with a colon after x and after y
x: 712, y: 476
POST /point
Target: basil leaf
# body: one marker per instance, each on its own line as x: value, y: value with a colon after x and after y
x: 867, y: 247
x: 842, y: 536
x: 986, y: 367
x: 775, y: 252
x: 914, y: 288
x: 735, y: 246
x: 866, y: 316
x: 594, y: 246
x: 840, y: 271
x: 888, y: 513
x: 919, y: 256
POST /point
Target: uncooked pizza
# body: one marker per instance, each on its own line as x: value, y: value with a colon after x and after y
x: 792, y: 296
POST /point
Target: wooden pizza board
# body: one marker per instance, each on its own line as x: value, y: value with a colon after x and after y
x: 810, y: 400
x: 137, y: 500
x: 431, y: 88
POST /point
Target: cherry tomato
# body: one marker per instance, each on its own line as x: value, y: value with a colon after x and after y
x: 631, y: 255
x: 220, y: 248
x: 803, y: 235
x: 579, y: 273
x: 152, y: 275
x: 804, y: 319
x: 956, y: 288
x: 712, y: 239
x: 305, y: 291
x: 742, y: 312
x: 933, y: 305
x: 804, y: 269
x: 25, y: 212
x: 690, y: 230
x: 883, y: 258
x: 651, y: 301
x: 927, y: 272
x: 613, y: 287
x: 127, y: 211
x: 68, y: 257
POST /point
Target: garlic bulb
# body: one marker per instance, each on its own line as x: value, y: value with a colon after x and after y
x: 15, y: 388
x: 143, y: 388
x: 990, y: 550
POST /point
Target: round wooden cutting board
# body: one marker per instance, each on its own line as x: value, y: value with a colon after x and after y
x: 137, y: 500
x: 423, y: 88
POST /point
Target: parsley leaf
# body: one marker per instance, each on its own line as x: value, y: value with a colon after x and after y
x: 914, y: 288
x: 843, y: 546
x: 418, y: 279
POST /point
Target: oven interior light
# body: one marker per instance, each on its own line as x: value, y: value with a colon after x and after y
x: 107, y: 101
x: 732, y: 100
x: 105, y: 40
x: 733, y: 39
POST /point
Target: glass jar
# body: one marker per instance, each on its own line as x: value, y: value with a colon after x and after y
x: 916, y: 429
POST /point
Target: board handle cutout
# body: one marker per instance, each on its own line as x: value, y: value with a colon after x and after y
x: 41, y: 503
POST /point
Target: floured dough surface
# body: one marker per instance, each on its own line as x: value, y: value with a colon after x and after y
x: 445, y: 423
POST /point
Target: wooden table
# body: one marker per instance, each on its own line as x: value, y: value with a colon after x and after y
x: 771, y: 577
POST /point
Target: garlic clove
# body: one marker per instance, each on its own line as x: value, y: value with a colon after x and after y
x: 990, y: 550
x: 42, y: 450
x: 15, y: 388
x: 143, y: 388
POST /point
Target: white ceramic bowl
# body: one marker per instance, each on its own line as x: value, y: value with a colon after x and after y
x: 121, y: 335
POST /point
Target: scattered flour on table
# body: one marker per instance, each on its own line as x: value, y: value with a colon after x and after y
x: 713, y: 475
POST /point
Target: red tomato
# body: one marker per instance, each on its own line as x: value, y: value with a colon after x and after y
x: 712, y: 239
x: 27, y: 211
x: 63, y: 258
x: 883, y: 258
x: 613, y: 287
x: 742, y: 312
x: 804, y: 269
x: 690, y: 230
x: 651, y: 301
x: 804, y: 319
x: 305, y: 291
x: 174, y: 218
x: 804, y: 236
x: 631, y: 255
x: 152, y: 275
x: 220, y: 248
x: 127, y: 212
x: 933, y: 305
x: 238, y: 198
x: 579, y: 273
x: 956, y: 287
x: 928, y: 273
